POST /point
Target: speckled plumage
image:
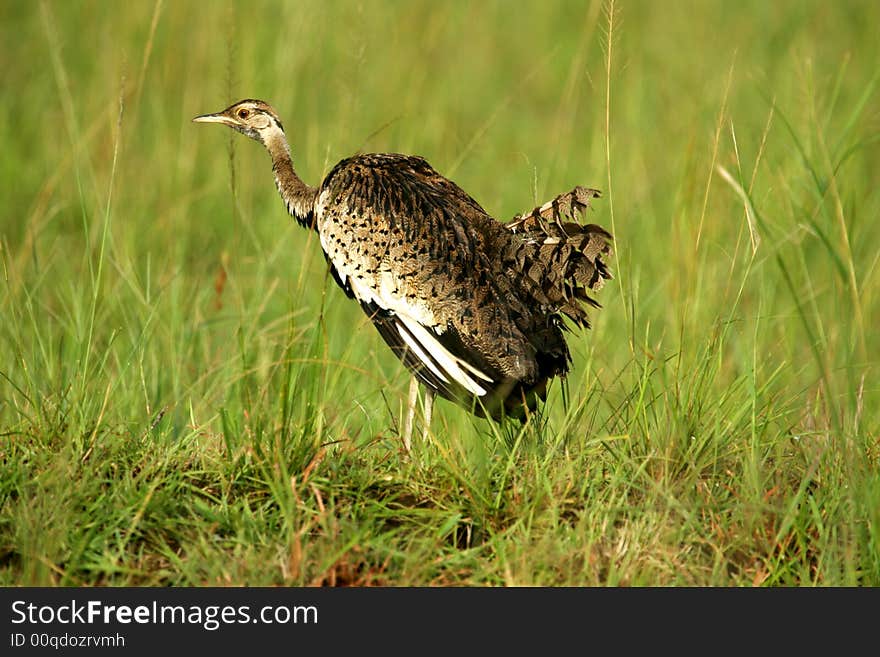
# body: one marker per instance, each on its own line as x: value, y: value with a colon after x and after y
x: 472, y: 306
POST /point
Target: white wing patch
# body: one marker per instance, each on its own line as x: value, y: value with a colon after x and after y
x: 417, y: 350
x: 451, y: 366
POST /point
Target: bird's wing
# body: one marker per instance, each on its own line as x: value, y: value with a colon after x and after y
x: 422, y: 351
x: 404, y: 241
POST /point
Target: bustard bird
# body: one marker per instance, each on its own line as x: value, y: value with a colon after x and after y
x: 473, y: 307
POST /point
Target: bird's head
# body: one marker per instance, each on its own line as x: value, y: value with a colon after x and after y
x: 254, y: 118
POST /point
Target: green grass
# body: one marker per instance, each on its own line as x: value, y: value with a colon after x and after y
x: 186, y: 398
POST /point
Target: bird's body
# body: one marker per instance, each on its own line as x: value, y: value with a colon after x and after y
x: 472, y: 306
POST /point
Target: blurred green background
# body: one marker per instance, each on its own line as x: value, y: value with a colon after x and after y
x: 154, y: 289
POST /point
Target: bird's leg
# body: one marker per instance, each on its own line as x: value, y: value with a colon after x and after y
x: 410, y: 413
x: 429, y: 408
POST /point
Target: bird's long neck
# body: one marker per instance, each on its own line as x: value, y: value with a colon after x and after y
x: 297, y: 196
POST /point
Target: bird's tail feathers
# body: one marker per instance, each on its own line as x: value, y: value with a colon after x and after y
x: 559, y: 259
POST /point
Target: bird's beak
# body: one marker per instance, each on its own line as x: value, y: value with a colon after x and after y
x: 213, y: 118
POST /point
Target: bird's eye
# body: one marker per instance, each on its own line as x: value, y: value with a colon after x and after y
x: 243, y: 113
